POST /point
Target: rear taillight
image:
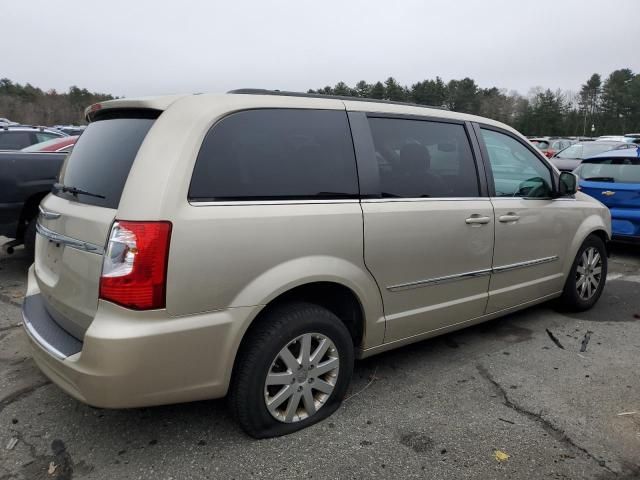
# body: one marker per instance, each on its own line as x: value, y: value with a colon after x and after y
x: 134, y: 269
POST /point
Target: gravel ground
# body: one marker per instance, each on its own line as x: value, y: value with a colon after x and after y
x: 437, y: 409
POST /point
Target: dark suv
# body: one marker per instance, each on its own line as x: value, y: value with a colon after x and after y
x: 17, y: 137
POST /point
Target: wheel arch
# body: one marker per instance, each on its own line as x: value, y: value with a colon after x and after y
x: 592, y: 225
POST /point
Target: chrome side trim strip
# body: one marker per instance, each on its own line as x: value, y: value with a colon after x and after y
x: 33, y: 333
x: 197, y: 203
x: 474, y: 274
x: 439, y: 280
x: 528, y: 263
x: 424, y: 199
x: 48, y: 214
x: 68, y: 241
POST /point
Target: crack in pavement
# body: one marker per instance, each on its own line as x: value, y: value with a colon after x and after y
x: 21, y: 393
x: 549, y: 427
x: 10, y: 327
x: 10, y: 301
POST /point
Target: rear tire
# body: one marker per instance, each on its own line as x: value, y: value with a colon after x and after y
x: 587, y: 276
x: 275, y: 349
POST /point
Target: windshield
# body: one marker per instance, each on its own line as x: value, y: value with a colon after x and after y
x: 586, y: 150
x: 618, y: 170
x: 101, y: 159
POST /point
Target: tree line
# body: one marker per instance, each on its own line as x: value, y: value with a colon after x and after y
x: 33, y: 106
x: 611, y: 106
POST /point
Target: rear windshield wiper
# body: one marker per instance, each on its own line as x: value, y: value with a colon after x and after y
x: 75, y: 191
x: 600, y: 179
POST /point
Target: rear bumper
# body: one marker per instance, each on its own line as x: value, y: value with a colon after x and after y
x: 9, y: 218
x: 134, y: 359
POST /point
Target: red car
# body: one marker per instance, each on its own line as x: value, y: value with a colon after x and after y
x: 551, y: 146
x: 62, y: 144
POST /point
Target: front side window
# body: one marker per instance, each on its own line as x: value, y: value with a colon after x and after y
x: 423, y: 159
x: 517, y: 172
x: 276, y: 154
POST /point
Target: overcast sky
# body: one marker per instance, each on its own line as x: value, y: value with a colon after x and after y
x: 144, y: 47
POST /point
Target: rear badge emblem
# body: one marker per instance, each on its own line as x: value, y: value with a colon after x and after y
x: 608, y: 193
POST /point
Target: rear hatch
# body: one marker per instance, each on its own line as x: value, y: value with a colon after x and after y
x: 614, y: 195
x: 613, y: 178
x: 75, y: 220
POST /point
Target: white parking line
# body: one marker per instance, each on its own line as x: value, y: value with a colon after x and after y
x: 623, y: 277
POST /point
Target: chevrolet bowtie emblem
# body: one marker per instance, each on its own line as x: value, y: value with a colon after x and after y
x: 608, y: 193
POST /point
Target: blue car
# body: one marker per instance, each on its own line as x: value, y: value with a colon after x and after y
x: 614, y: 178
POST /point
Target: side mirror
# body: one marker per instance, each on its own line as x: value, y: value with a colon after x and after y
x: 568, y: 184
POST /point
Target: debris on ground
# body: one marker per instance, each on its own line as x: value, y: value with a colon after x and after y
x: 13, y: 441
x: 501, y: 456
x: 506, y: 421
x: 554, y: 339
x: 585, y: 341
x: 626, y: 413
x: 636, y: 315
x: 52, y: 468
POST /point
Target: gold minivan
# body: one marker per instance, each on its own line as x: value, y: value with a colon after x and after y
x: 253, y: 244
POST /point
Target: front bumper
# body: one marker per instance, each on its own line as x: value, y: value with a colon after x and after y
x: 134, y: 359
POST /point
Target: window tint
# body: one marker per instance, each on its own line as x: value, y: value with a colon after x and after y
x: 101, y: 159
x: 517, y: 172
x: 276, y: 154
x: 418, y: 158
x: 14, y: 140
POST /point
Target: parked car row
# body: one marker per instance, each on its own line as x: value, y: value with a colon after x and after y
x: 16, y: 137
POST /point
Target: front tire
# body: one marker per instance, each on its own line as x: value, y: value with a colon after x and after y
x: 293, y: 370
x: 587, y: 276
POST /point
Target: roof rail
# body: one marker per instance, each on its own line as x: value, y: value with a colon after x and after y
x: 284, y: 93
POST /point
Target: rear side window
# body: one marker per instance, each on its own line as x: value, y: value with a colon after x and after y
x: 276, y: 154
x: 419, y: 158
x: 14, y: 140
x: 101, y: 159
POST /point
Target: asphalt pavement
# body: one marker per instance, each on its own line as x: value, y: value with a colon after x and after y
x: 501, y: 400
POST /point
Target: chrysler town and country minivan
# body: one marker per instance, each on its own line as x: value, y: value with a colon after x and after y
x: 253, y: 244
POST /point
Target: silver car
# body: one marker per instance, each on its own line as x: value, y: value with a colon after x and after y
x: 252, y: 245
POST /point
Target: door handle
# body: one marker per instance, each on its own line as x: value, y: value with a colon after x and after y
x: 509, y: 217
x: 476, y: 219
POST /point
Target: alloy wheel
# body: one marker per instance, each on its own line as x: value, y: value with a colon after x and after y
x: 589, y: 273
x: 301, y: 378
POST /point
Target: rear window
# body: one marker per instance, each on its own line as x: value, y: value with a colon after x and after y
x: 276, y: 154
x: 616, y: 170
x: 101, y: 160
